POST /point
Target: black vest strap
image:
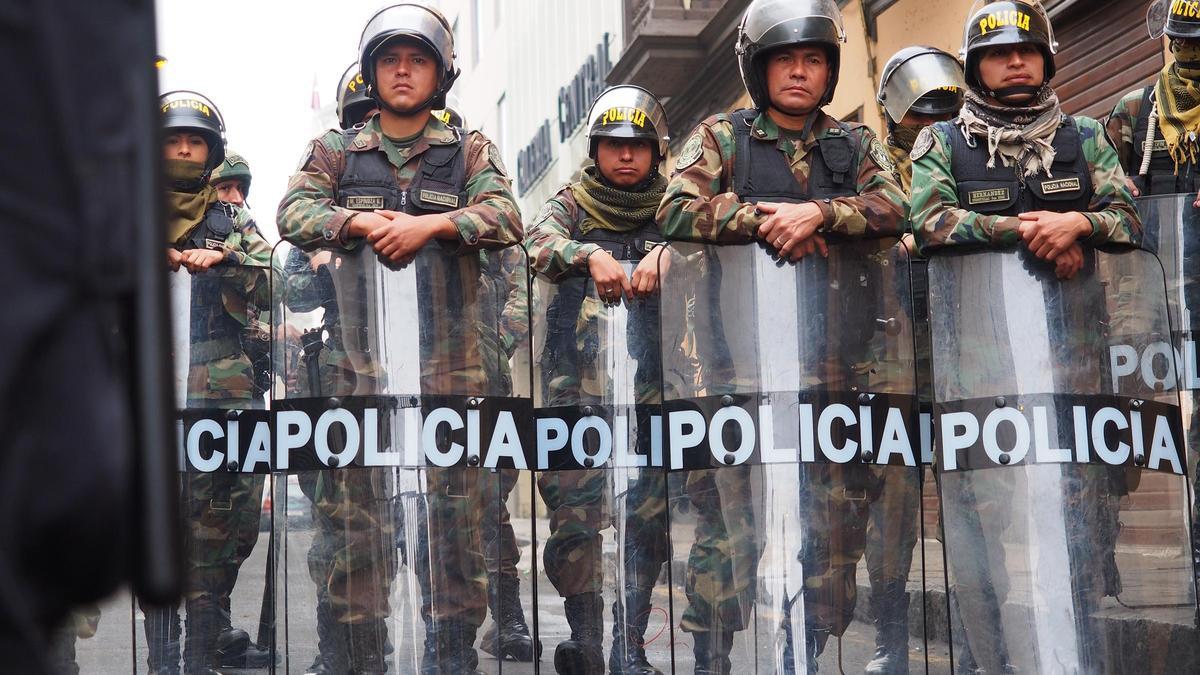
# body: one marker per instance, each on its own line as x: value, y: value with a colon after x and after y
x: 368, y: 181
x: 761, y: 173
x: 632, y: 245
x: 1003, y: 191
x: 1161, y: 178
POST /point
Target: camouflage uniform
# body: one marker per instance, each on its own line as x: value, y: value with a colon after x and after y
x: 356, y: 573
x: 700, y: 205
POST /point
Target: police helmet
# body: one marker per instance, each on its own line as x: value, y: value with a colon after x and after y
x: 627, y: 111
x: 1009, y: 22
x: 1178, y: 20
x: 235, y: 167
x: 353, y: 102
x: 184, y: 110
x: 768, y: 24
x: 451, y: 114
x: 924, y: 80
x: 423, y: 24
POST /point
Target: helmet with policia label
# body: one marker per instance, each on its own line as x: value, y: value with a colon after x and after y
x: 1177, y: 19
x: 923, y: 80
x: 235, y: 167
x: 627, y: 111
x: 768, y: 24
x: 451, y: 114
x: 353, y: 101
x: 422, y: 24
x: 1010, y: 22
x: 184, y: 110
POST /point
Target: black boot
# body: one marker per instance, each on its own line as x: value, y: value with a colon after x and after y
x: 162, y: 638
x: 712, y: 652
x: 628, y: 654
x: 509, y: 638
x: 889, y: 607
x: 582, y: 654
x: 332, y: 652
x: 203, y: 624
x: 366, y: 641
x: 449, y: 648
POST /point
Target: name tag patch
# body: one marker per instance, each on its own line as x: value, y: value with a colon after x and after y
x: 1159, y: 145
x: 431, y: 197
x: 214, y: 245
x: 364, y: 202
x: 1065, y: 185
x: 988, y: 196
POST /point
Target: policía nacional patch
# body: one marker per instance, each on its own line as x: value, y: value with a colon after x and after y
x: 306, y: 157
x: 691, y: 152
x: 880, y: 155
x: 495, y: 160
x: 922, y: 145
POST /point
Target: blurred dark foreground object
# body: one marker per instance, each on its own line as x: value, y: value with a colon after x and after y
x: 86, y: 468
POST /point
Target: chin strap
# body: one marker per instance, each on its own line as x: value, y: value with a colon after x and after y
x: 1009, y: 92
x: 427, y: 104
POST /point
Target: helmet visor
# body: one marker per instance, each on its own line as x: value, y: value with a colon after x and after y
x: 1156, y: 18
x: 764, y: 15
x: 406, y: 20
x: 628, y: 112
x: 919, y: 76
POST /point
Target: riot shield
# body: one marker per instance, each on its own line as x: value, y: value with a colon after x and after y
x: 221, y: 354
x: 791, y: 436
x: 1061, y: 465
x: 394, y: 401
x: 1170, y: 225
x: 601, y: 486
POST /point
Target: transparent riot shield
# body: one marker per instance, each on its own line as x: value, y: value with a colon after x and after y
x: 1061, y: 465
x: 1170, y: 229
x: 221, y: 353
x: 601, y: 487
x: 791, y: 436
x: 396, y: 397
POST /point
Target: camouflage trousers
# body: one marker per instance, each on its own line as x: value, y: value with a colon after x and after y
x: 850, y: 510
x: 580, y: 508
x: 450, y: 561
x: 722, y: 569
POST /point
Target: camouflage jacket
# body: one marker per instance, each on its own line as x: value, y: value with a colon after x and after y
x: 246, y: 245
x: 310, y: 217
x: 1120, y: 125
x: 552, y: 250
x: 939, y: 221
x: 700, y: 204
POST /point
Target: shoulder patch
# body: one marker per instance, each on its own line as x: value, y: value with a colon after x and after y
x: 922, y: 145
x: 306, y: 157
x: 881, y: 156
x: 544, y: 214
x: 691, y: 151
x: 495, y: 160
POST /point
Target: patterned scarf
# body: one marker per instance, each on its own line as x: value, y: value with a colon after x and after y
x: 1178, y: 96
x: 615, y: 209
x: 903, y: 136
x: 185, y: 210
x: 1016, y: 135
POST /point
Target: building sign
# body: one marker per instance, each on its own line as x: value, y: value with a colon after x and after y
x: 574, y: 100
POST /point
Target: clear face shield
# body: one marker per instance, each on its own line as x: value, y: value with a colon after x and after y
x: 917, y: 77
x: 630, y: 112
x: 764, y: 15
x: 1033, y: 5
x: 1156, y: 18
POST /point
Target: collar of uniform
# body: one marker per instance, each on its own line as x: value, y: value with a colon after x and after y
x: 765, y: 128
x: 371, y: 135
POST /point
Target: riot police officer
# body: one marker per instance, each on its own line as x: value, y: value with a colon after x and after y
x: 388, y: 183
x: 787, y: 174
x: 221, y: 510
x: 919, y: 86
x: 1012, y: 169
x: 354, y: 104
x: 582, y: 234
x: 232, y: 180
x: 1154, y: 127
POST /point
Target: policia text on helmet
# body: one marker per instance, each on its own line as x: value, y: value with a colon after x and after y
x: 627, y: 136
x: 1008, y: 50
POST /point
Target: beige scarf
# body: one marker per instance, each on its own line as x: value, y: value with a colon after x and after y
x: 1017, y: 136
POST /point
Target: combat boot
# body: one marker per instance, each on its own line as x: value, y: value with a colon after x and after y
x: 890, y: 610
x: 449, y: 648
x: 366, y: 641
x: 331, y: 644
x: 509, y: 638
x: 203, y: 624
x: 628, y: 653
x: 582, y: 654
x: 162, y: 639
x: 712, y: 652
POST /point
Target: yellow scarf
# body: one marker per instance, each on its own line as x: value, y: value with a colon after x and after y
x: 185, y: 210
x: 1178, y: 96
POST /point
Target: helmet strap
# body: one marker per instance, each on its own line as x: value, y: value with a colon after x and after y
x: 1007, y: 92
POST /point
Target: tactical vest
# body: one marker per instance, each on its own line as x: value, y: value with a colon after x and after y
x: 761, y: 173
x: 632, y: 245
x: 214, y: 334
x: 1003, y: 191
x: 1161, y: 179
x: 368, y: 181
